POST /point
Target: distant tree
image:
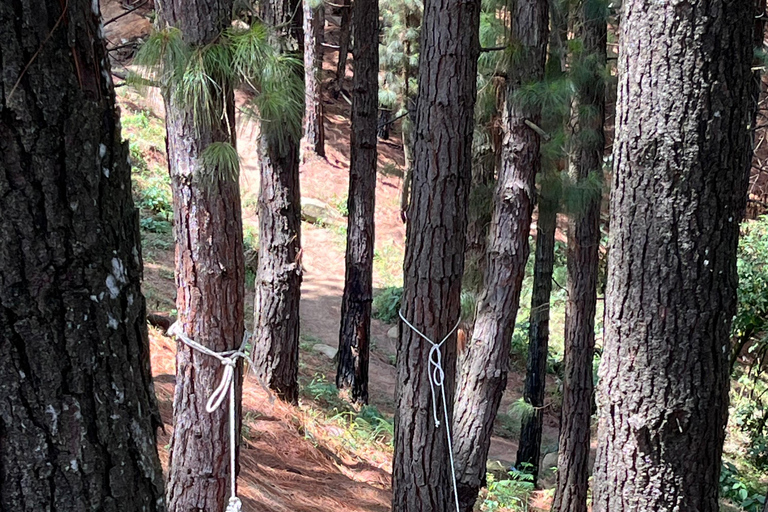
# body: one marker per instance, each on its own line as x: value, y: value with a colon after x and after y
x: 208, y: 230
x: 585, y: 161
x: 434, y: 258
x: 345, y: 32
x: 77, y: 406
x: 355, y: 332
x: 314, y: 30
x: 278, y: 279
x: 682, y: 155
x: 483, y: 365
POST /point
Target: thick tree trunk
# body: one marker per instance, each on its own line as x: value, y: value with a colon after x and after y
x: 77, y: 407
x: 278, y: 280
x: 587, y: 144
x: 528, y: 451
x: 483, y: 366
x: 682, y: 156
x: 434, y: 259
x: 345, y: 31
x: 314, y: 30
x: 354, y: 336
x: 209, y: 276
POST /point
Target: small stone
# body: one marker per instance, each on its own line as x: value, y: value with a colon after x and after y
x: 326, y: 350
x: 392, y: 332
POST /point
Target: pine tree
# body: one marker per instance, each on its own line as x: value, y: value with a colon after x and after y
x: 313, y: 140
x: 278, y: 280
x: 434, y: 259
x: 345, y: 33
x: 355, y: 331
x: 77, y: 406
x: 586, y: 145
x: 483, y: 364
x: 682, y: 158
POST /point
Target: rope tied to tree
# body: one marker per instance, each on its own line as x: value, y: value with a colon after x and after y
x: 226, y: 387
x: 436, y: 375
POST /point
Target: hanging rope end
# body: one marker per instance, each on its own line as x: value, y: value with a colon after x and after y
x: 235, y: 505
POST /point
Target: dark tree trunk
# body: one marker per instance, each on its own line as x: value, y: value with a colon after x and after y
x: 209, y: 276
x: 77, y: 406
x: 355, y: 333
x: 314, y: 31
x: 345, y: 30
x: 528, y: 451
x: 484, y: 365
x: 682, y: 155
x: 278, y: 280
x: 587, y: 144
x: 434, y: 258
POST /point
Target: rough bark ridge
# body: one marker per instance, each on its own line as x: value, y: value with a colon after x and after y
x: 314, y: 30
x: 278, y: 280
x: 528, y: 452
x: 354, y: 336
x: 77, y: 405
x: 209, y: 277
x: 483, y: 366
x: 587, y: 144
x: 682, y: 155
x: 434, y: 258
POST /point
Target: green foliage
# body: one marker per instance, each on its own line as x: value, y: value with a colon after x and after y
x: 386, y: 304
x: 510, y: 494
x: 222, y: 160
x: 739, y: 490
x: 752, y: 311
x: 341, y: 205
x: 154, y: 194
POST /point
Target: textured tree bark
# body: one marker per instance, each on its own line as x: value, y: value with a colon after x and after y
x: 209, y: 276
x: 278, y: 280
x: 345, y: 30
x: 483, y: 366
x: 77, y: 406
x: 314, y: 30
x: 587, y: 144
x: 355, y: 332
x: 528, y: 451
x: 434, y: 258
x: 682, y: 156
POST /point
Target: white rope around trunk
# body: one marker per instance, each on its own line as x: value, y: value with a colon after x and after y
x: 228, y: 359
x: 436, y: 380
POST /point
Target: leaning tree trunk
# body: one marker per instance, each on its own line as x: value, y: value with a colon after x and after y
x: 314, y: 29
x: 528, y: 451
x: 345, y: 31
x: 682, y: 155
x: 587, y: 144
x: 278, y: 279
x: 355, y: 332
x: 77, y: 406
x: 210, y: 274
x: 483, y: 365
x: 434, y: 258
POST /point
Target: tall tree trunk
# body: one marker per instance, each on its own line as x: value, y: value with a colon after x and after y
x: 528, y: 451
x: 314, y: 32
x: 209, y: 274
x: 587, y: 144
x: 345, y: 30
x: 483, y: 366
x: 278, y: 279
x: 77, y: 406
x: 682, y: 155
x: 355, y: 333
x: 434, y: 258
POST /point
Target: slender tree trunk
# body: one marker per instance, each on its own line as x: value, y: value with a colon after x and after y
x: 278, y: 280
x: 345, y: 30
x: 314, y: 31
x: 587, y: 144
x: 528, y: 451
x: 434, y: 259
x: 355, y: 333
x: 484, y: 365
x: 77, y: 406
x: 209, y: 275
x: 682, y: 155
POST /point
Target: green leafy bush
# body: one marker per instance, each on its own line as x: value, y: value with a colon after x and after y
x: 386, y: 304
x: 735, y: 488
x: 510, y: 494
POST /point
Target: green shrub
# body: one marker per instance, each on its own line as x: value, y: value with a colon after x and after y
x: 737, y: 489
x: 386, y: 304
x: 511, y: 494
